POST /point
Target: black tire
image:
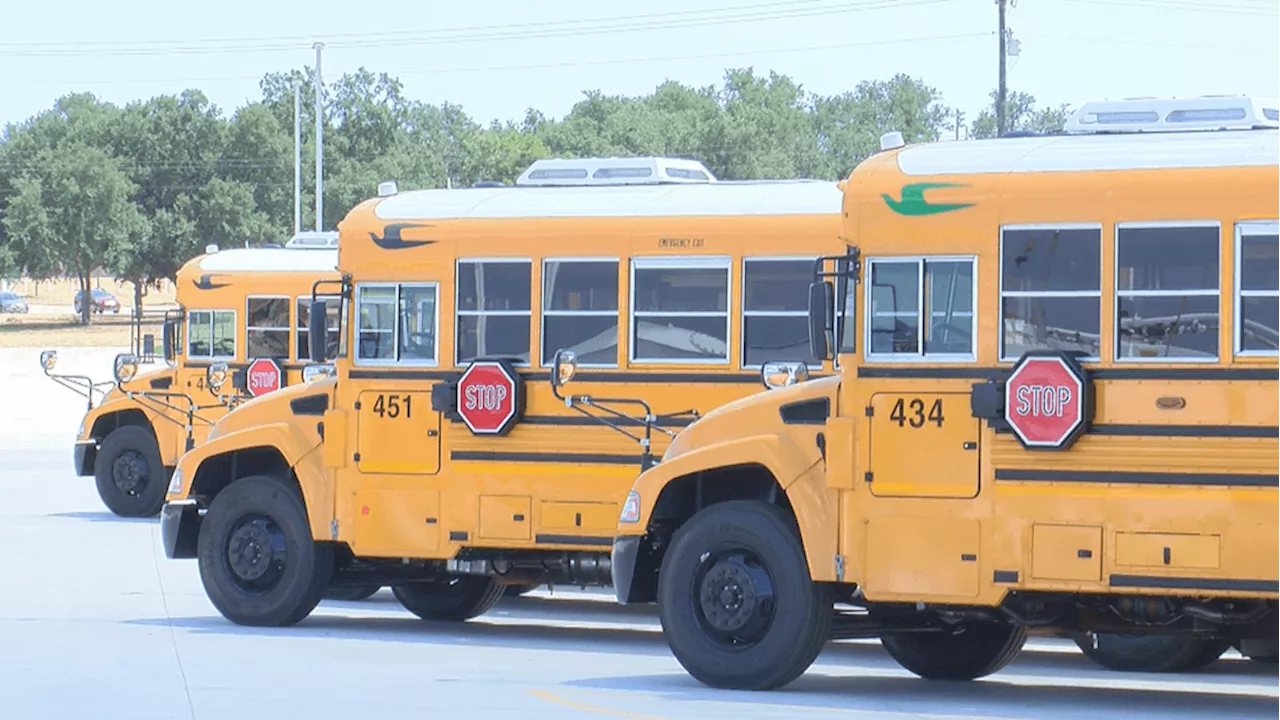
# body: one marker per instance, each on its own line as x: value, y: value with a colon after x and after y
x: 351, y: 594
x: 517, y: 590
x: 1150, y: 653
x: 247, y: 587
x: 459, y: 598
x: 982, y: 648
x: 738, y: 607
x: 129, y: 472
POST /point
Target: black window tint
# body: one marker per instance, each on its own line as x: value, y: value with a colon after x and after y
x: 494, y: 286
x: 659, y: 337
x: 593, y: 337
x: 776, y: 285
x: 493, y: 336
x: 769, y: 338
x: 578, y: 286
x: 671, y: 289
x: 1260, y: 324
x: 1172, y: 258
x: 267, y: 332
x: 1259, y: 262
x: 1168, y: 327
x: 1047, y: 322
x: 1049, y: 260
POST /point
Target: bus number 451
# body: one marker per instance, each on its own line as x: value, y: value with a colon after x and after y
x: 389, y: 406
x: 911, y: 412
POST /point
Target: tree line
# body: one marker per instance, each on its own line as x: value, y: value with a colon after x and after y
x: 138, y: 190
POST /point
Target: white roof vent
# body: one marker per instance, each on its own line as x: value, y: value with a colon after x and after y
x: 312, y: 240
x: 387, y: 188
x: 892, y: 140
x: 614, y: 171
x: 210, y: 249
x: 1211, y: 112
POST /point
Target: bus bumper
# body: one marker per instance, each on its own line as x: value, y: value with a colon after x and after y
x: 626, y: 550
x: 81, y: 454
x: 179, y: 528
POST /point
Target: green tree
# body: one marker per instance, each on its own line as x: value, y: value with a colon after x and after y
x: 73, y: 212
x: 1021, y: 115
x: 849, y: 125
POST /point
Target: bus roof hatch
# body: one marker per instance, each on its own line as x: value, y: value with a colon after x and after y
x: 1210, y: 112
x: 313, y: 239
x: 614, y: 171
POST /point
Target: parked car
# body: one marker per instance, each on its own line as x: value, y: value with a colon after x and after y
x: 11, y: 302
x: 102, y: 301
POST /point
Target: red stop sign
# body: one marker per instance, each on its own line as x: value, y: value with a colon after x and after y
x: 1047, y: 400
x: 263, y: 376
x: 490, y: 397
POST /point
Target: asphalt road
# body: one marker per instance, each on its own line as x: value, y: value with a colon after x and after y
x: 96, y: 623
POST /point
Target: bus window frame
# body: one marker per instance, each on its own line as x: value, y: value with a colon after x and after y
x: 535, y: 290
x: 543, y: 360
x: 680, y: 262
x: 1116, y: 291
x: 292, y: 339
x: 1015, y: 227
x: 303, y: 301
x: 395, y: 360
x: 1242, y: 229
x: 743, y: 312
x: 212, y: 356
x: 921, y: 262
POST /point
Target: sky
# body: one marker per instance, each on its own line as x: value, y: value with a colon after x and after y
x: 497, y: 58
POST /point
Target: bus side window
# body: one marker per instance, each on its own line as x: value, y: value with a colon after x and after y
x: 1050, y: 290
x: 680, y: 310
x: 580, y: 310
x: 267, y: 327
x: 1167, y: 291
x: 493, y: 309
x: 775, y: 311
x: 921, y: 307
x: 1257, y: 328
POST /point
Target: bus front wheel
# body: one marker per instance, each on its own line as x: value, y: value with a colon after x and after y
x: 455, y: 599
x: 738, y: 607
x: 1150, y: 653
x: 979, y: 648
x: 258, y: 562
x: 129, y: 473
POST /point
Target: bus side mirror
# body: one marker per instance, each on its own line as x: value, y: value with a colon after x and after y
x: 563, y: 368
x: 166, y: 340
x: 821, y: 300
x: 318, y: 331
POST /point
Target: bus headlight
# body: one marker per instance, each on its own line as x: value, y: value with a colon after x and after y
x: 126, y: 366
x: 48, y: 359
x: 316, y: 372
x: 631, y: 508
x: 779, y: 374
x: 216, y: 376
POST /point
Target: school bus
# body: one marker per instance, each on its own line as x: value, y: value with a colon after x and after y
x: 234, y: 306
x: 1056, y: 409
x: 436, y: 458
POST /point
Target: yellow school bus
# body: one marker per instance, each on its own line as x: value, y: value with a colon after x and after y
x: 437, y: 459
x: 1056, y: 409
x: 235, y: 306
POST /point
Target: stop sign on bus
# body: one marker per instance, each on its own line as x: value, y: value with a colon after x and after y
x: 489, y: 397
x: 1047, y: 400
x: 263, y: 376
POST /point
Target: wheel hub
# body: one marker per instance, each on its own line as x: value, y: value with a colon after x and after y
x: 256, y: 553
x: 130, y: 473
x: 736, y: 599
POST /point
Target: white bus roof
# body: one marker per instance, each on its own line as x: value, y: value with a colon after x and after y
x: 805, y: 197
x: 271, y: 260
x: 1082, y: 153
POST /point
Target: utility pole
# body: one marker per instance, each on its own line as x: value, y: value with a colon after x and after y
x: 297, y: 155
x: 1002, y: 90
x: 959, y: 119
x: 319, y: 88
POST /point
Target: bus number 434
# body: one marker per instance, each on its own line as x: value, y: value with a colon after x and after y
x: 911, y: 412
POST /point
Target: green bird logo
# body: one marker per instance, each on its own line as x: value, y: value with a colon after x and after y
x: 913, y: 203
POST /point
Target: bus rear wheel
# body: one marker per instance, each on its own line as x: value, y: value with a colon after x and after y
x: 129, y: 473
x: 738, y: 607
x: 351, y: 594
x: 979, y: 648
x: 455, y: 599
x: 1150, y: 653
x: 258, y: 562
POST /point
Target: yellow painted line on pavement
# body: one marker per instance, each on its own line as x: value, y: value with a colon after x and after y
x: 584, y: 707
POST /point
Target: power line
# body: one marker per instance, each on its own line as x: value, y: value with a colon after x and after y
x: 1267, y: 9
x: 545, y: 66
x: 515, y: 32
